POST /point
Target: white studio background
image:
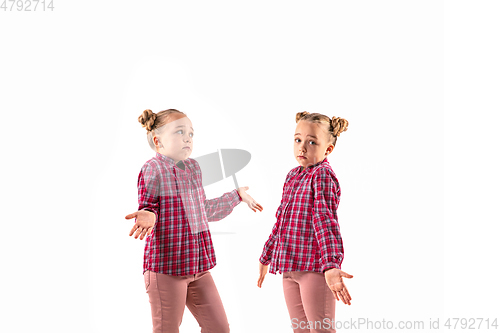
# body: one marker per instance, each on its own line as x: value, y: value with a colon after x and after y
x: 417, y: 81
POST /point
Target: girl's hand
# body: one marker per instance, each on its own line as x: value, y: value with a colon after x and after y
x: 334, y: 280
x: 248, y: 199
x: 144, y: 223
x: 262, y: 274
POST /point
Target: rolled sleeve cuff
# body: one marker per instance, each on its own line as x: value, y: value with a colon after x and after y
x: 264, y: 261
x: 235, y: 198
x: 329, y: 265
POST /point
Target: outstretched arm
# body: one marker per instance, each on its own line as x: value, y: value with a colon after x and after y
x: 327, y: 233
x: 326, y: 226
x: 334, y: 280
x: 246, y: 198
x: 218, y: 208
x: 147, y: 215
x: 144, y: 223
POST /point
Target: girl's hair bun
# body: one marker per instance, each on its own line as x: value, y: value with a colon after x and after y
x: 339, y: 125
x: 147, y: 119
x: 300, y: 115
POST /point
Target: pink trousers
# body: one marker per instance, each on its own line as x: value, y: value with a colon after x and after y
x: 310, y: 303
x: 169, y: 295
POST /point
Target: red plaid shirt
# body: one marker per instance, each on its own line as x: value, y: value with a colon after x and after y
x: 180, y: 243
x: 306, y: 236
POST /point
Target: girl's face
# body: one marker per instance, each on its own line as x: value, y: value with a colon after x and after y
x: 175, y: 138
x: 311, y: 143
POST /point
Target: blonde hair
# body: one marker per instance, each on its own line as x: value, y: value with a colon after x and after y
x: 333, y: 126
x: 154, y: 121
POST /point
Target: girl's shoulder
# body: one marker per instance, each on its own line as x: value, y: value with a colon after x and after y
x: 324, y: 172
x: 292, y: 173
x: 323, y: 168
x: 192, y: 164
x: 191, y: 161
x: 152, y: 165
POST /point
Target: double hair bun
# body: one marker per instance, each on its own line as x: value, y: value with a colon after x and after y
x: 337, y: 124
x: 147, y: 119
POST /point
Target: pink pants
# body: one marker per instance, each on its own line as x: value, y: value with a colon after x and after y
x: 310, y: 303
x: 169, y: 295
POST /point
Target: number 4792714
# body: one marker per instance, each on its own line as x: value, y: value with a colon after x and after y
x: 27, y: 5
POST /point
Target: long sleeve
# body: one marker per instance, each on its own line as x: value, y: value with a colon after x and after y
x: 218, y: 208
x: 326, y: 227
x: 270, y: 244
x: 149, y: 188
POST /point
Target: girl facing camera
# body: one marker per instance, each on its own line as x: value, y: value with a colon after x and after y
x: 305, y: 244
x: 173, y: 215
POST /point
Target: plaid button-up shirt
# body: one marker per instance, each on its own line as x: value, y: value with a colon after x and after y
x: 306, y: 235
x: 180, y: 243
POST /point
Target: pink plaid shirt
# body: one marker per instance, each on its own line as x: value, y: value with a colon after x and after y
x: 306, y: 235
x: 180, y: 243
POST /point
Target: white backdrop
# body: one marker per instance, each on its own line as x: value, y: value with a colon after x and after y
x: 417, y: 81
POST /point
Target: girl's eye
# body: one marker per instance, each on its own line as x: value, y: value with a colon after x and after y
x: 180, y: 131
x: 297, y: 140
x: 312, y: 142
x: 191, y: 135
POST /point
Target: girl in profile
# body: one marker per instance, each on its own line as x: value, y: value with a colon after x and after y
x: 173, y: 214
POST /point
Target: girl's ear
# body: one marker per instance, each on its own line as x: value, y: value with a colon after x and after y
x: 157, y: 142
x: 329, y: 149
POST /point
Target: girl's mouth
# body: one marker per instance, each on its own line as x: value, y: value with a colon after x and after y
x: 301, y: 157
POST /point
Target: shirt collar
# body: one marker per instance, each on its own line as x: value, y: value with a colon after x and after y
x: 311, y: 167
x: 169, y: 161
